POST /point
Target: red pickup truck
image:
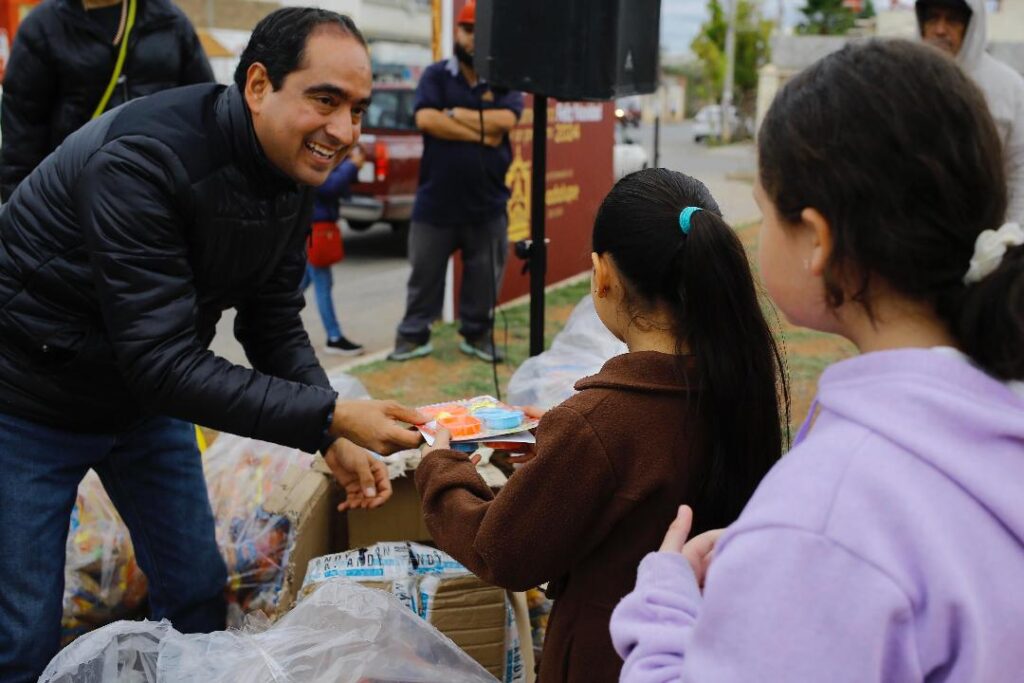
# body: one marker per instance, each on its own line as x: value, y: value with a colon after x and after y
x: 386, y: 187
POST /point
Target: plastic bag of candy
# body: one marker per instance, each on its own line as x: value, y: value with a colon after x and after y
x: 240, y: 474
x: 102, y: 582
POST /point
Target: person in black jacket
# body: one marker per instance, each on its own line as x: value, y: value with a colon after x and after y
x: 62, y: 60
x: 117, y: 256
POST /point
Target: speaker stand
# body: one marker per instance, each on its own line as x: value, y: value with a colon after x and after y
x: 538, y: 211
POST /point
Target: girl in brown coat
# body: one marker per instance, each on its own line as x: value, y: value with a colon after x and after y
x: 689, y: 415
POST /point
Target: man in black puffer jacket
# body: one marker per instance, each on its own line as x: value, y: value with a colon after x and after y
x: 117, y: 256
x: 62, y: 60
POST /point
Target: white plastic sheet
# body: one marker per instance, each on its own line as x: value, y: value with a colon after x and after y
x: 579, y: 350
x: 342, y: 633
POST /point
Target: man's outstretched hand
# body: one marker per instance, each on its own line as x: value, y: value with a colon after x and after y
x: 375, y: 425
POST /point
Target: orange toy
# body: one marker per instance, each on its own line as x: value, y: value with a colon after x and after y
x: 460, y: 425
x: 445, y: 410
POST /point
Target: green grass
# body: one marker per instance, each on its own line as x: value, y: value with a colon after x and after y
x: 450, y: 374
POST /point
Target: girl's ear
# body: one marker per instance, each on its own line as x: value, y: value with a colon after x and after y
x: 602, y: 279
x: 819, y: 235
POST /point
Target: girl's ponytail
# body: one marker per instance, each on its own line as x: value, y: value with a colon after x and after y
x: 691, y: 261
x: 744, y: 394
x: 988, y: 317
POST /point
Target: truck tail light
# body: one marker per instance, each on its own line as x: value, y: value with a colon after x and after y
x: 381, y: 161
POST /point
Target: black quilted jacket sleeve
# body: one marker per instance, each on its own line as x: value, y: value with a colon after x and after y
x: 30, y: 93
x: 144, y: 284
x: 268, y: 323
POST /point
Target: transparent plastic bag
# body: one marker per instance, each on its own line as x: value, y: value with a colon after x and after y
x: 255, y: 544
x: 342, y: 633
x: 579, y: 350
x: 102, y: 581
x: 413, y: 573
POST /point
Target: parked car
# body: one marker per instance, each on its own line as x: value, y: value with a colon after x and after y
x: 708, y: 122
x: 628, y: 155
x: 386, y: 186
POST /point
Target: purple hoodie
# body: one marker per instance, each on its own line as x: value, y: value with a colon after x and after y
x: 888, y: 545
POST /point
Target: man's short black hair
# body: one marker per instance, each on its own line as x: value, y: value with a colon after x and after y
x: 279, y: 41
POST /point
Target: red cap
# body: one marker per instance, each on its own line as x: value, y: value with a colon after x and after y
x: 468, y: 13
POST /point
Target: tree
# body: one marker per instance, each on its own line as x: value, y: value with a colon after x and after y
x: 825, y: 17
x: 868, y: 11
x: 752, y: 49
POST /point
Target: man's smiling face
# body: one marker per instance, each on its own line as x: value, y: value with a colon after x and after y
x: 308, y: 125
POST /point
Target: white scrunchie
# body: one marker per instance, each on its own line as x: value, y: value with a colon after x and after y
x: 989, y: 249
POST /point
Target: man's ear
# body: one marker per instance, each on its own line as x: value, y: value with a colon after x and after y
x: 257, y: 86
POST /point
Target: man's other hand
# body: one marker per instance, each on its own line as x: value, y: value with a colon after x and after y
x: 364, y: 477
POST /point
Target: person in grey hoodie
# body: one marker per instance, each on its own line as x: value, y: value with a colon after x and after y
x: 888, y: 545
x: 960, y: 28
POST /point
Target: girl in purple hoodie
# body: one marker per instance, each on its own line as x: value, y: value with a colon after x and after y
x: 888, y: 545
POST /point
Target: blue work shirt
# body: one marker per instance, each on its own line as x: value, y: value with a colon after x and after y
x: 461, y: 182
x: 337, y: 186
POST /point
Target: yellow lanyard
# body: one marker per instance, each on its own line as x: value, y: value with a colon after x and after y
x: 119, y: 65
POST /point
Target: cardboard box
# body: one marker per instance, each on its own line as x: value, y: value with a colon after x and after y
x: 472, y: 613
x: 401, y: 519
x: 305, y: 497
x: 464, y: 608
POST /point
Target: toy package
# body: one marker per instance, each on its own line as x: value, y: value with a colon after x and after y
x: 478, y: 419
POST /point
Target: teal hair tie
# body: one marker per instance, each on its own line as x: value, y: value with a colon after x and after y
x: 685, y: 216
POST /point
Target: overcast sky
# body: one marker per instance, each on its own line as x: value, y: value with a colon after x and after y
x: 680, y: 19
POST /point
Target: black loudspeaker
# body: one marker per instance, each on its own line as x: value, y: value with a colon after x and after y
x: 569, y: 49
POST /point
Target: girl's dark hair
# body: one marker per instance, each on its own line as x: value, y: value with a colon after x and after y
x: 896, y: 148
x: 705, y: 278
x: 279, y: 41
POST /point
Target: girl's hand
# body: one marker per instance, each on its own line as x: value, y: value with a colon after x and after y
x: 518, y: 453
x: 698, y: 551
x: 533, y: 412
x: 443, y: 442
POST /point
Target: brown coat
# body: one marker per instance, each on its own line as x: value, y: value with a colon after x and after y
x: 613, y: 464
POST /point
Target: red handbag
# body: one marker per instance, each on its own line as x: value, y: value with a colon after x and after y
x: 325, y: 246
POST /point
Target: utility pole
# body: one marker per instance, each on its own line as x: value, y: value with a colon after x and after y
x: 730, y: 68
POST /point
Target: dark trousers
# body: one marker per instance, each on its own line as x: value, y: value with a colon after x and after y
x: 484, y: 247
x: 154, y: 476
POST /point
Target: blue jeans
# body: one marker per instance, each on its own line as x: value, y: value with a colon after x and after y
x: 154, y: 477
x: 322, y: 283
